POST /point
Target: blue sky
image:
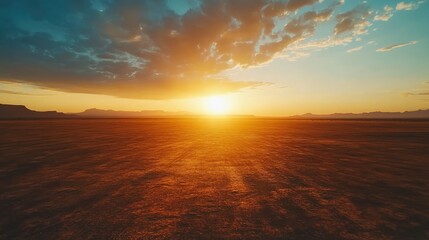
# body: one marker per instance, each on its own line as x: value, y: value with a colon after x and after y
x: 286, y: 57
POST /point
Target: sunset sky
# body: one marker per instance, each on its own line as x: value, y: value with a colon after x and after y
x: 262, y: 57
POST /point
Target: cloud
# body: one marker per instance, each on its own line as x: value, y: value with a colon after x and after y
x: 20, y: 93
x: 355, y: 21
x: 391, y: 47
x: 147, y: 49
x: 323, y: 43
x: 407, y: 6
x: 421, y: 95
x: 293, y: 5
x: 388, y: 11
x: 385, y: 15
x: 354, y: 49
x: 422, y: 91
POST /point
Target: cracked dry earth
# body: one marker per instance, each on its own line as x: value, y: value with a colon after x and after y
x: 214, y: 179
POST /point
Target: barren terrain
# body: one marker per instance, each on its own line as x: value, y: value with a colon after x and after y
x: 214, y: 179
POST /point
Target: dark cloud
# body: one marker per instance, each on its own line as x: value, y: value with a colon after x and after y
x: 353, y: 22
x: 418, y: 93
x: 293, y: 5
x: 422, y: 94
x: 145, y: 49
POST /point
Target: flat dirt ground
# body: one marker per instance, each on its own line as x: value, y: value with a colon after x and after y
x: 214, y: 179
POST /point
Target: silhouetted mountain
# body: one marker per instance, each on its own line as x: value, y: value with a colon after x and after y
x: 22, y: 112
x: 419, y: 114
x: 99, y: 113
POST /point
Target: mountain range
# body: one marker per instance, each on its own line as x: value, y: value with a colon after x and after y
x: 8, y: 111
x: 419, y: 114
x: 22, y: 112
x: 98, y: 113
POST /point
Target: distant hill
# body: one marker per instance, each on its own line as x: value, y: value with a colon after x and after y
x: 22, y: 112
x: 98, y: 113
x: 419, y: 114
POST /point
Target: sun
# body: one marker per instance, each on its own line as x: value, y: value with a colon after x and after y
x: 217, y: 105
